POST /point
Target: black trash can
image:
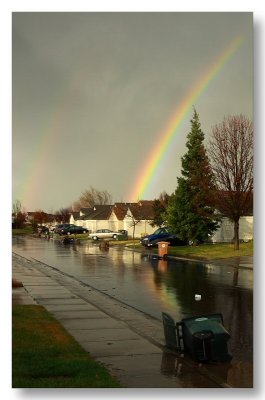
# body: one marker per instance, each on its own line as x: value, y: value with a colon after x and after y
x: 205, y: 338
x: 170, y: 332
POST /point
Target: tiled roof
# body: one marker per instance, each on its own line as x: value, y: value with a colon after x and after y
x: 144, y: 209
x: 120, y: 210
x: 86, y: 210
x: 141, y: 210
x: 76, y: 215
x: 99, y: 212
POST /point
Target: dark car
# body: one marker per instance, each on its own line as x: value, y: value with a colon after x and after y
x: 72, y: 229
x: 42, y: 229
x: 59, y: 227
x: 162, y: 235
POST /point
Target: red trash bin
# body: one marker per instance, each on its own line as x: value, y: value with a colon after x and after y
x: 162, y: 249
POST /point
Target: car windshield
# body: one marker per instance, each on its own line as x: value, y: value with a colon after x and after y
x: 160, y: 230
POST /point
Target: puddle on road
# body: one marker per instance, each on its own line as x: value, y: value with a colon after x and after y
x: 193, y: 374
x: 151, y: 285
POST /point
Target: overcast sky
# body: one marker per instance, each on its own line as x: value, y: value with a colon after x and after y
x: 92, y: 92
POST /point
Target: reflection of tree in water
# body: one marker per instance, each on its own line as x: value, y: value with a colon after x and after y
x: 238, y: 316
x: 239, y: 320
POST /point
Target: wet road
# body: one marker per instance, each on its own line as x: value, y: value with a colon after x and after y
x: 152, y: 286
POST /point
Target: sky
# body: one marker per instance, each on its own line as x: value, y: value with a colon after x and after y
x: 93, y: 93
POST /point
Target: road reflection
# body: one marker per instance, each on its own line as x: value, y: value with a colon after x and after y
x: 151, y: 285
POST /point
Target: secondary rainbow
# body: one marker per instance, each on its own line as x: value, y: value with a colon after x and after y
x: 158, y: 152
x: 48, y: 138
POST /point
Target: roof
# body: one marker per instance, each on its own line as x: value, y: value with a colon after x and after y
x: 144, y: 209
x: 120, y: 210
x: 76, y: 215
x: 99, y: 212
x: 85, y: 210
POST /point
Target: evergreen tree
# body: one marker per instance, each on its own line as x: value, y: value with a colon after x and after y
x: 190, y: 213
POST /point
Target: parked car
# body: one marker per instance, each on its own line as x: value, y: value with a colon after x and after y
x: 42, y: 229
x: 59, y: 227
x: 162, y: 235
x: 104, y: 233
x: 72, y: 229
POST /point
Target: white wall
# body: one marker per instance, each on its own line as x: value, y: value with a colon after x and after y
x: 114, y: 223
x: 226, y: 231
x: 72, y: 220
x: 141, y: 229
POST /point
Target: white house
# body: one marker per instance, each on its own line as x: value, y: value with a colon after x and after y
x: 120, y: 216
x: 93, y: 218
x: 225, y: 233
x: 137, y: 217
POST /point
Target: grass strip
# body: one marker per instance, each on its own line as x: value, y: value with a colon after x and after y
x: 45, y: 355
x: 206, y: 251
x: 212, y: 251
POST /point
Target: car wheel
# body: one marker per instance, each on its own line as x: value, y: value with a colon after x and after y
x: 68, y: 233
x: 84, y: 231
x: 114, y: 236
x: 95, y: 238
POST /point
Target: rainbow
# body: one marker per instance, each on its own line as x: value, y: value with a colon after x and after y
x: 48, y: 137
x: 158, y: 152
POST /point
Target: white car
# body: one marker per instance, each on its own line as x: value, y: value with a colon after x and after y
x: 104, y: 233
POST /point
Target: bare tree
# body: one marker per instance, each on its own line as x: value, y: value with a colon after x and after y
x: 133, y: 222
x: 18, y: 216
x: 231, y: 153
x: 17, y: 207
x: 40, y: 217
x: 63, y: 214
x: 90, y: 197
x: 137, y: 212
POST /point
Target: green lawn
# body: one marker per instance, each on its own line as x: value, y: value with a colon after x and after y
x: 212, y: 251
x: 46, y: 356
x: 22, y: 231
x: 203, y: 251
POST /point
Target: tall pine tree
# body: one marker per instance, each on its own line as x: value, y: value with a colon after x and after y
x: 190, y: 213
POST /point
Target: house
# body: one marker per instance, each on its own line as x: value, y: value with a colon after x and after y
x: 92, y: 218
x: 132, y: 217
x: 225, y: 233
x: 118, y: 216
x: 136, y: 218
x: 139, y: 217
x: 42, y: 218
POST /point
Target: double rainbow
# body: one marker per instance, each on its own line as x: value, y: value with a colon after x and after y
x: 158, y: 152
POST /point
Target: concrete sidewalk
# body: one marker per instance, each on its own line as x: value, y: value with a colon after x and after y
x: 129, y: 343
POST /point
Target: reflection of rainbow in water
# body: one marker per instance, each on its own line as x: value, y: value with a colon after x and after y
x: 161, y: 291
x: 169, y: 298
x: 166, y: 295
x: 148, y: 171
